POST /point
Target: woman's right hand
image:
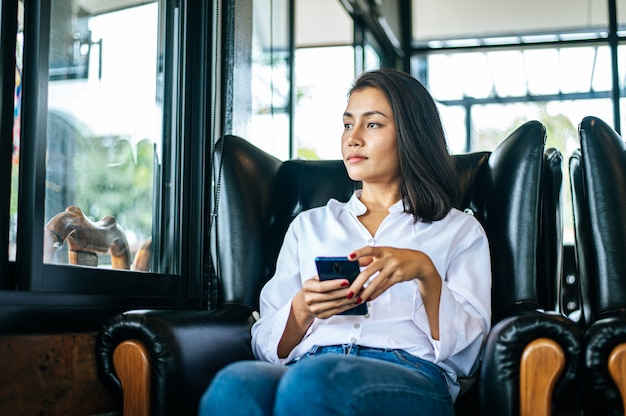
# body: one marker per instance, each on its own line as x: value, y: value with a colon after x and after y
x: 322, y: 299
x: 316, y: 299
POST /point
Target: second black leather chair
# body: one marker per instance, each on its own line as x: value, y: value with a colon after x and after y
x: 598, y: 180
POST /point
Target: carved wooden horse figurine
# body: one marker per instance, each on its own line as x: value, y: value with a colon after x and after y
x: 85, y: 239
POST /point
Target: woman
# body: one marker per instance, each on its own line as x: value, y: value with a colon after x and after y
x: 425, y: 277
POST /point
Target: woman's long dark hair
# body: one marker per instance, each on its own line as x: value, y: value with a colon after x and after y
x: 429, y: 182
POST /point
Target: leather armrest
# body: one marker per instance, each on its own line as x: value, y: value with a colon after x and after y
x: 184, y: 348
x: 601, y: 339
x: 507, y: 343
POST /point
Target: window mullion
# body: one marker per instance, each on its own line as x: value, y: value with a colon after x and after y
x: 33, y: 146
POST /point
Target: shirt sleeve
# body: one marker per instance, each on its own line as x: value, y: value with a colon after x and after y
x: 275, y: 301
x: 464, y: 307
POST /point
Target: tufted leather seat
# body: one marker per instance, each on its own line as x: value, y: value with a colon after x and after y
x: 510, y: 190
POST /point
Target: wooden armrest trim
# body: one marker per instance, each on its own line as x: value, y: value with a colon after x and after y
x: 617, y: 369
x: 132, y: 366
x: 542, y: 362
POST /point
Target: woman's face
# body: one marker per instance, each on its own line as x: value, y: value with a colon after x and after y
x: 368, y: 144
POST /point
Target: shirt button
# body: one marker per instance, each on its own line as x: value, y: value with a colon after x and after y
x: 370, y: 241
x: 367, y: 315
x: 357, y: 326
x: 353, y: 340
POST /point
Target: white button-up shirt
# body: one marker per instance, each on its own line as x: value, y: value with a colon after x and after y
x: 457, y: 246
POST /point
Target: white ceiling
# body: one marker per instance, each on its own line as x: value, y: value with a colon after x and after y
x: 104, y: 6
x: 458, y: 19
x: 325, y: 22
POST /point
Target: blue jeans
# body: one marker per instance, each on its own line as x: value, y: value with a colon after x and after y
x: 334, y: 380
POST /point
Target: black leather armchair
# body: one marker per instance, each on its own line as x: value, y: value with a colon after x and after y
x: 164, y: 360
x: 598, y: 180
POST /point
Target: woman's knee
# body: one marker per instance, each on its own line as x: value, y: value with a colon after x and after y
x: 249, y: 374
x: 225, y: 382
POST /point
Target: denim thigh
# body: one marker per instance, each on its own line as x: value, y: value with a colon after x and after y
x: 369, y: 381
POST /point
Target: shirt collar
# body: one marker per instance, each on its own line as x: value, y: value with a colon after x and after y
x: 356, y: 207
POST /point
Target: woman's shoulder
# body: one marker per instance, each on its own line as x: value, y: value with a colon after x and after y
x: 462, y: 219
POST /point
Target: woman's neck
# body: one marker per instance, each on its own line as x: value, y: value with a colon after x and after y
x: 377, y: 201
x: 379, y: 198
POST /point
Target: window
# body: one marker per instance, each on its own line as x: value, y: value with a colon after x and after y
x: 299, y: 76
x: 105, y: 140
x: 324, y: 69
x: 110, y: 156
x: 491, y: 92
x: 321, y: 99
x: 271, y: 84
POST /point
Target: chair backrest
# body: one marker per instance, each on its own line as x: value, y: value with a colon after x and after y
x: 597, y: 176
x: 504, y: 189
x: 581, y: 236
x: 550, y: 278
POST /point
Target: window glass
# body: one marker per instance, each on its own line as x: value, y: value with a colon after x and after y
x: 271, y: 84
x: 453, y: 119
x: 321, y: 98
x: 443, y: 81
x: 15, y: 159
x: 104, y: 136
x: 519, y: 73
x: 477, y: 82
x: 507, y: 68
x: 492, y: 123
x: 502, y: 89
x: 371, y: 58
x: 622, y: 104
x: 576, y: 69
x: 290, y: 105
x: 542, y: 71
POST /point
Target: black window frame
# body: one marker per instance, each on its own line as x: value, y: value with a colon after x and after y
x: 182, y: 214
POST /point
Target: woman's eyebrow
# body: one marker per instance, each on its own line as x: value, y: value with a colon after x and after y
x: 366, y: 114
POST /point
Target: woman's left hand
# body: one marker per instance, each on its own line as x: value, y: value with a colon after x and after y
x: 393, y: 265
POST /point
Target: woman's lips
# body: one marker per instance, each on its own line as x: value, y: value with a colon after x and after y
x: 356, y: 158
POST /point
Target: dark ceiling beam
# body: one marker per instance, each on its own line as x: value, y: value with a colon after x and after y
x: 370, y: 13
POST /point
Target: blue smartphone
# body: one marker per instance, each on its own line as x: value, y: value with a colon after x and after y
x: 329, y: 268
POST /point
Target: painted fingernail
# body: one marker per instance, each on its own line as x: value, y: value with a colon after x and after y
x: 352, y: 255
x: 350, y: 294
x: 359, y: 300
x: 344, y: 283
